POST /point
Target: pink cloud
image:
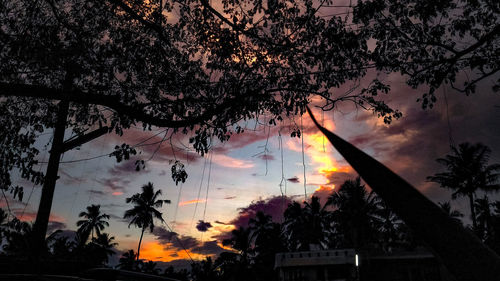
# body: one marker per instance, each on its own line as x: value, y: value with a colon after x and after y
x: 230, y: 162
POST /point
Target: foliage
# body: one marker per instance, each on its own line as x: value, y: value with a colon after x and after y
x: 94, y: 221
x: 128, y: 261
x: 181, y: 275
x: 144, y: 212
x: 434, y: 43
x: 18, y: 243
x: 355, y: 214
x: 468, y: 172
x: 121, y: 63
x: 307, y: 226
x: 455, y: 214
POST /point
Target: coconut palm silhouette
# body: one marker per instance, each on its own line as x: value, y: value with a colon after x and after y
x: 144, y: 212
x: 468, y: 172
x: 93, y: 221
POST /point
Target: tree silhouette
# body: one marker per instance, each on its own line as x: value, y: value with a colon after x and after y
x: 181, y: 275
x: 433, y: 43
x: 267, y: 241
x: 62, y: 248
x: 485, y: 218
x: 149, y: 267
x: 101, y: 248
x: 144, y: 212
x: 460, y: 251
x: 3, y: 222
x: 241, y: 240
x: 128, y: 260
x: 468, y: 172
x: 355, y: 215
x: 204, y: 270
x: 62, y: 67
x: 94, y: 221
x: 307, y: 226
x: 389, y: 227
x: 455, y: 214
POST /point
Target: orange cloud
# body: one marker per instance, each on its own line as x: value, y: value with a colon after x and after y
x: 319, y: 151
x: 31, y: 216
x: 157, y: 252
x: 184, y: 203
x: 117, y: 193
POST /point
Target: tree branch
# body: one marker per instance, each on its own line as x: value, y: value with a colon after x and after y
x: 113, y: 102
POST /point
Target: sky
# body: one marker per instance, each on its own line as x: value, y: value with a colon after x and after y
x: 254, y: 169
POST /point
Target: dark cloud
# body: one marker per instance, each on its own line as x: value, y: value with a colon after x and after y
x: 273, y: 206
x: 97, y: 192
x: 237, y: 141
x: 229, y: 197
x: 68, y: 179
x: 410, y: 146
x: 266, y: 157
x: 126, y: 168
x: 208, y: 248
x: 114, y: 183
x: 116, y: 217
x: 338, y: 178
x: 177, y: 264
x: 70, y: 234
x: 203, y: 226
x: 293, y: 179
x: 165, y: 236
x: 55, y: 225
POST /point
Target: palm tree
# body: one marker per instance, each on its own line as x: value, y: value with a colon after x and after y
x: 468, y: 172
x: 102, y: 247
x: 454, y: 214
x: 389, y: 227
x: 144, y: 210
x: 204, y: 270
x: 485, y: 218
x: 240, y: 240
x: 307, y: 226
x: 150, y: 268
x: 267, y: 240
x: 355, y: 214
x: 127, y: 260
x: 93, y: 221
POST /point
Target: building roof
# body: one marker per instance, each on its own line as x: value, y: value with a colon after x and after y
x: 311, y: 258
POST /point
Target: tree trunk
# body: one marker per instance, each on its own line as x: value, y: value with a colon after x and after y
x: 454, y: 246
x: 140, y: 241
x: 42, y: 217
x: 472, y: 211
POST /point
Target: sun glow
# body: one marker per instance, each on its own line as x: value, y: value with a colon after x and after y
x: 319, y: 151
x: 158, y: 252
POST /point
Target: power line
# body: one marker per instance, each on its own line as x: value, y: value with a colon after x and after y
x: 199, y: 191
x: 303, y: 157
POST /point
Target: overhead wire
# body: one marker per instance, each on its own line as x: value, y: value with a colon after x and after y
x: 303, y: 157
x: 208, y: 188
x: 199, y: 191
x: 180, y: 242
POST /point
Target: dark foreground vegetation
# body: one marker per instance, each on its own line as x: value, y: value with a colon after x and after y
x: 351, y: 217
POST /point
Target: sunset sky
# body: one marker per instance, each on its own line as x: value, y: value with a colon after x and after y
x: 244, y: 175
